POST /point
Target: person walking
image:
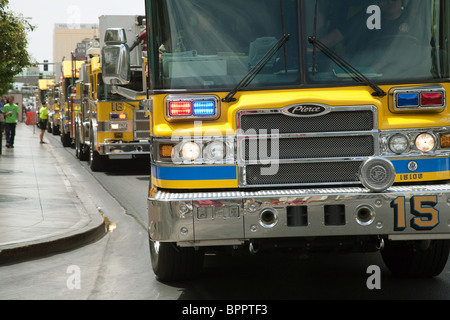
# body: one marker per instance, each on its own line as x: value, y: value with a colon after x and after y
x: 2, y: 123
x: 3, y: 102
x: 43, y: 119
x: 11, y: 111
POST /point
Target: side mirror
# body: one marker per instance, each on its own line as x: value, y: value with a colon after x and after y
x: 116, y: 58
x: 87, y: 89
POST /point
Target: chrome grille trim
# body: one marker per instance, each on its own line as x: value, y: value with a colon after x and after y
x: 141, y: 125
x: 162, y: 195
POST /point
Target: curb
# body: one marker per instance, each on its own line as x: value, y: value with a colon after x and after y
x: 31, y: 251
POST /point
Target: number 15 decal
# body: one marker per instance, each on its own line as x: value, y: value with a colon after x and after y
x: 422, y: 207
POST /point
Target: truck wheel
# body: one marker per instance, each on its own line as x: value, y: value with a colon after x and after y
x: 77, y: 145
x: 173, y: 263
x: 55, y: 130
x: 80, y: 149
x: 84, y: 153
x: 66, y: 140
x: 416, y: 259
x: 97, y: 162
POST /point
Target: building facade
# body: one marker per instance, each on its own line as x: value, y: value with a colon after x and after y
x: 66, y: 38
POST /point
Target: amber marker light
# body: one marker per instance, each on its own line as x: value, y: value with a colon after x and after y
x: 445, y: 140
x: 165, y: 150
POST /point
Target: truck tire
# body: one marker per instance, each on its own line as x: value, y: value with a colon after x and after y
x: 416, y: 259
x: 97, y: 162
x: 173, y: 263
x: 81, y: 151
x: 55, y: 130
x: 65, y: 139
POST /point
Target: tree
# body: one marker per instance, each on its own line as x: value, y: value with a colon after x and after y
x: 14, y: 56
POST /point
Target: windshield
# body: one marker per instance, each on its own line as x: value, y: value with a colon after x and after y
x: 386, y: 40
x: 213, y: 44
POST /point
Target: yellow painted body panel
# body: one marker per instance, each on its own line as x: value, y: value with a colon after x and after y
x: 342, y: 96
x: 194, y: 184
x: 348, y: 96
x: 67, y: 67
x: 45, y: 84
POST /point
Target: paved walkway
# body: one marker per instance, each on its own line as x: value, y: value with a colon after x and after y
x: 41, y: 212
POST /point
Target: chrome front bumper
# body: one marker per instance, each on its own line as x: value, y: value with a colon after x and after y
x: 121, y: 150
x: 230, y: 218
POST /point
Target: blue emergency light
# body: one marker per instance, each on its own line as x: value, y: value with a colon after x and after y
x: 204, y: 108
x: 408, y: 100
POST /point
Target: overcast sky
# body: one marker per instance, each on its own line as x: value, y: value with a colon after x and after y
x: 45, y: 13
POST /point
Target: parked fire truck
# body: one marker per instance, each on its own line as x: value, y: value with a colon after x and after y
x: 53, y: 114
x: 289, y: 124
x: 67, y: 112
x: 44, y: 88
x: 111, y: 126
x: 43, y: 93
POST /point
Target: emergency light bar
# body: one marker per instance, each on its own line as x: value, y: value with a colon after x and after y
x: 190, y: 107
x: 418, y: 99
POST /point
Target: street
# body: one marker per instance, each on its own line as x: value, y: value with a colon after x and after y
x: 118, y: 265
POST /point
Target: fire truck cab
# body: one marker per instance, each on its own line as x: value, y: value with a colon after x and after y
x: 297, y: 124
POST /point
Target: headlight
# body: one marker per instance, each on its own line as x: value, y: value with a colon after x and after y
x: 215, y: 151
x: 122, y: 126
x: 190, y: 151
x: 398, y: 143
x: 425, y: 142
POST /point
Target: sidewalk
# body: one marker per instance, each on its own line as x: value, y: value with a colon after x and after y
x: 41, y: 211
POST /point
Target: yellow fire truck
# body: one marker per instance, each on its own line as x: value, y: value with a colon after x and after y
x: 289, y: 124
x: 53, y: 115
x: 68, y: 109
x: 109, y: 125
x: 43, y: 96
x: 44, y: 88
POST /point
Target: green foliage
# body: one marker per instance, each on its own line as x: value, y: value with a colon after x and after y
x: 13, y: 45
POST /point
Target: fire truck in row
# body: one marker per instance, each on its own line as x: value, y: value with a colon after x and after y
x: 100, y: 124
x: 297, y: 125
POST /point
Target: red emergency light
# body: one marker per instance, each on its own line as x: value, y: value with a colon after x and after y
x: 432, y: 99
x: 180, y: 108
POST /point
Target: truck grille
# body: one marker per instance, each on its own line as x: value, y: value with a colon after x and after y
x: 324, y: 149
x: 305, y: 173
x: 359, y: 120
x: 141, y: 125
x: 311, y: 147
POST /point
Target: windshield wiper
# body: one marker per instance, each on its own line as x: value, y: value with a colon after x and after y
x: 347, y: 67
x: 257, y: 68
